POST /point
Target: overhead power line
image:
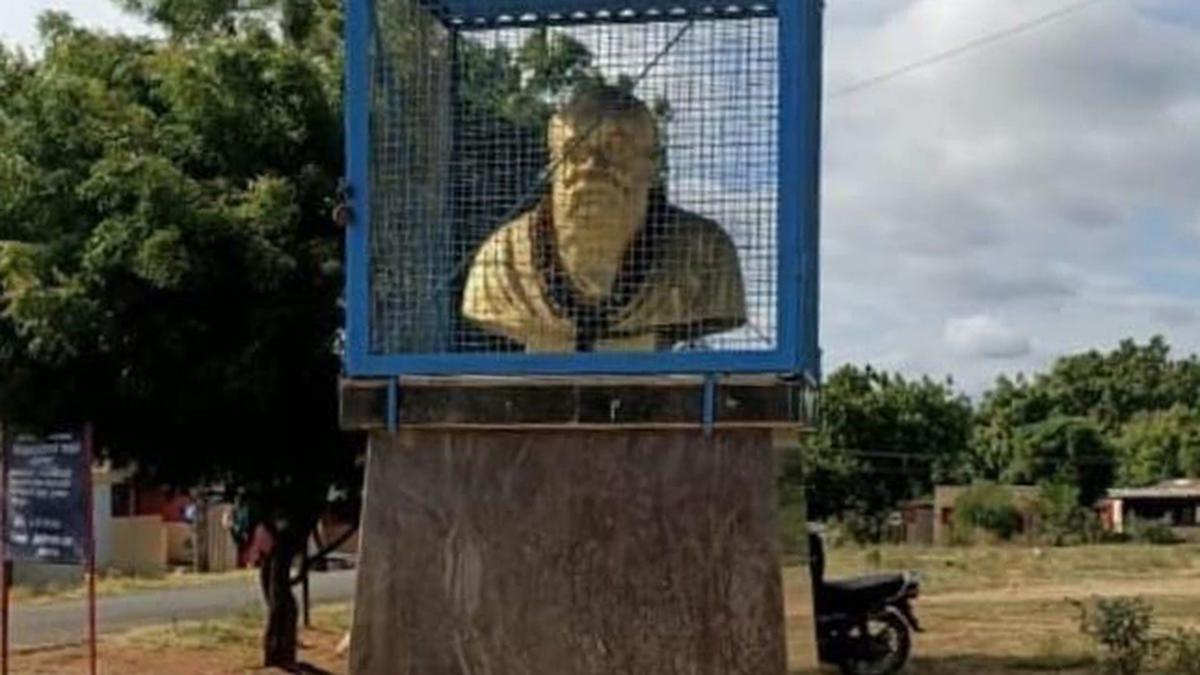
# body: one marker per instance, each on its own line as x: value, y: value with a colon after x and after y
x: 965, y: 48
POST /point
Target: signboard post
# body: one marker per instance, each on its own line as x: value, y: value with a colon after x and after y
x: 47, y: 514
x: 5, y: 565
x: 89, y: 505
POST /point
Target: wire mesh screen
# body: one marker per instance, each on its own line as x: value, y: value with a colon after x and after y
x: 599, y: 187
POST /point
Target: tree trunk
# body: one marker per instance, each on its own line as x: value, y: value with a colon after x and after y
x: 279, y: 640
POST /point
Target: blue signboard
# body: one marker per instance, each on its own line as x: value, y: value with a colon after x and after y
x: 47, y: 499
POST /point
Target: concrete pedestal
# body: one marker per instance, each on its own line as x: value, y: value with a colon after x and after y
x: 569, y: 552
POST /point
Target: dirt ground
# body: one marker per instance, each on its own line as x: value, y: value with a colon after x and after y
x: 1006, y: 610
x: 986, y: 612
x: 222, y: 647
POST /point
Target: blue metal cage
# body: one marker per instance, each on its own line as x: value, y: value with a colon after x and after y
x: 445, y: 121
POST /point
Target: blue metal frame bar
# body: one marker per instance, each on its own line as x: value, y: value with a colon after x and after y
x: 798, y: 260
x: 799, y: 170
x: 810, y: 232
x: 483, y: 24
x: 508, y: 13
x: 791, y: 173
x: 593, y: 363
x: 359, y: 27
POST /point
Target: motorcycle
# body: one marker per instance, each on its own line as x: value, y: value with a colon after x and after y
x: 864, y: 624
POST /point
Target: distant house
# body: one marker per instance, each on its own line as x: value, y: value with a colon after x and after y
x: 918, y: 522
x: 1175, y: 503
x: 944, y: 499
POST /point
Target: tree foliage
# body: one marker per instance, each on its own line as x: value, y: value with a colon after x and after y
x: 168, y: 266
x: 1063, y: 450
x: 990, y: 508
x: 1159, y: 444
x: 883, y: 439
x: 1132, y: 410
x: 1128, y: 416
x: 169, y: 271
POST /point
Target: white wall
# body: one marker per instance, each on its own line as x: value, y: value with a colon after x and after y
x: 102, y: 521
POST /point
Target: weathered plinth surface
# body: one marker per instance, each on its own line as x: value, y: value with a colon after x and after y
x: 574, y: 552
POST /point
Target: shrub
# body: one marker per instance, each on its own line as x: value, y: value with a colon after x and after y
x: 1122, y: 627
x: 856, y: 525
x: 1182, y: 653
x: 1153, y: 533
x: 862, y: 526
x: 1106, y: 537
x: 989, y: 508
x: 1061, y: 521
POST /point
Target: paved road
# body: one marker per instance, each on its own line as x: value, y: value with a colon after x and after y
x: 64, y: 622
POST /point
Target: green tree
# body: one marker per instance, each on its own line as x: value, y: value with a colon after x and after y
x: 314, y: 24
x: 1158, y: 445
x: 1009, y: 406
x: 1063, y: 450
x: 1061, y: 519
x: 883, y: 439
x: 1112, y: 387
x: 169, y: 270
x: 1088, y: 400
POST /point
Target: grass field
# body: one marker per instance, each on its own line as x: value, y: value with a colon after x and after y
x: 987, y: 611
x: 115, y: 583
x: 1001, y: 611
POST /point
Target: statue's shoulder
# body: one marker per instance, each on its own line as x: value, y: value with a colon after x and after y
x: 512, y: 235
x: 509, y: 248
x: 696, y: 233
x: 502, y: 280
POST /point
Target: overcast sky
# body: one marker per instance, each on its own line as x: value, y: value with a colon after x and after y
x: 987, y: 213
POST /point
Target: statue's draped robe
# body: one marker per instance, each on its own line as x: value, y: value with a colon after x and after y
x: 679, y: 281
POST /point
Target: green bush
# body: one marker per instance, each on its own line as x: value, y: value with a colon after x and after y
x: 1061, y: 521
x: 1107, y: 537
x: 1151, y: 532
x: 1182, y: 653
x: 856, y: 525
x: 862, y: 526
x: 1123, y: 629
x: 989, y: 508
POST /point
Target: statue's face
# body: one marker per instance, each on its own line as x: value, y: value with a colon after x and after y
x: 605, y: 161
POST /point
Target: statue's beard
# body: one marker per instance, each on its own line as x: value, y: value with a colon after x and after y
x: 591, y: 193
x: 594, y: 222
x: 597, y: 208
x: 602, y: 208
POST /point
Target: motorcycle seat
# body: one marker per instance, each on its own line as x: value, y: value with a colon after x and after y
x: 860, y: 592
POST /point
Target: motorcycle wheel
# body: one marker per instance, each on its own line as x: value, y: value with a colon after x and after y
x: 889, y: 643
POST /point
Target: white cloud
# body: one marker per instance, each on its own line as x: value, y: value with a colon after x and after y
x: 1028, y: 180
x: 985, y: 336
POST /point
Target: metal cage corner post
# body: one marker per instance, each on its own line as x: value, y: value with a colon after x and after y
x: 358, y: 37
x: 804, y: 114
x: 798, y: 61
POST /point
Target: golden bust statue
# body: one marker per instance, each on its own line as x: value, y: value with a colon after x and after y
x: 600, y: 263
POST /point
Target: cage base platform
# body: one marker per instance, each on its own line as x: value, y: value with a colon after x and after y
x: 573, y: 552
x: 682, y: 402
